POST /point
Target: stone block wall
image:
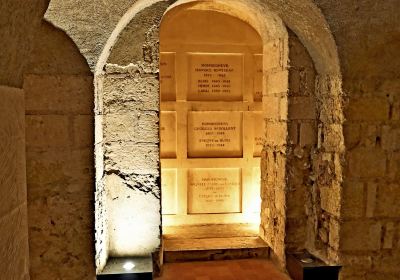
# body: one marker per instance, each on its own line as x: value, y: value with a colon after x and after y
x: 14, y: 251
x: 127, y: 137
x: 302, y: 143
x: 59, y: 155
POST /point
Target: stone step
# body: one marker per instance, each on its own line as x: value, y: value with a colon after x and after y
x: 203, y: 249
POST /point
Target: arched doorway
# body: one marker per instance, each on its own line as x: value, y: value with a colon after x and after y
x: 211, y: 124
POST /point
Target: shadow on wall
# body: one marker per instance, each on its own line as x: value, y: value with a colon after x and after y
x: 59, y: 145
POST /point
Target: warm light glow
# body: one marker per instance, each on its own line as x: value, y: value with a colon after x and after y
x: 129, y: 266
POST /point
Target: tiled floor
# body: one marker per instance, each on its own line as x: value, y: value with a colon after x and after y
x: 254, y: 269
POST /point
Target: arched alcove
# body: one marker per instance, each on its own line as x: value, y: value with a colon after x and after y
x: 127, y: 155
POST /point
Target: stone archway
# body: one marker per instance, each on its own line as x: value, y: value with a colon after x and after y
x: 142, y: 174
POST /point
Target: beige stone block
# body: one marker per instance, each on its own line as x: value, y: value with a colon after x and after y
x: 271, y: 105
x: 351, y: 134
x: 128, y: 208
x: 123, y: 94
x: 367, y: 109
x: 301, y: 108
x: 59, y: 94
x: 147, y: 128
x: 293, y: 132
x: 365, y: 162
x: 53, y: 172
x: 55, y: 219
x: 308, y: 134
x: 284, y: 108
x: 132, y: 158
x: 276, y: 133
x: 360, y: 236
x: 353, y: 199
x: 387, y: 201
x: 371, y: 199
x: 294, y: 81
x: 394, y: 165
x: 83, y: 131
x: 278, y: 82
x: 331, y: 199
x: 120, y: 127
x: 273, y: 54
x: 334, y: 233
x: 48, y: 131
x: 390, y: 138
x: 333, y: 138
x: 388, y: 237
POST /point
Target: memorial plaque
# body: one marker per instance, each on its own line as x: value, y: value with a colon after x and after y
x: 215, y: 77
x: 167, y: 77
x: 168, y: 134
x: 168, y: 190
x: 258, y: 77
x: 216, y: 190
x: 214, y: 134
x: 259, y: 136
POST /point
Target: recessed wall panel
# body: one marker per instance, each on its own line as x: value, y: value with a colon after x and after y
x: 214, y: 134
x: 168, y: 134
x: 168, y: 191
x: 167, y: 77
x: 216, y: 190
x: 215, y: 77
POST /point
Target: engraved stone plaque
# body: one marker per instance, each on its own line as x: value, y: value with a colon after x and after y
x: 214, y: 134
x: 214, y: 190
x: 215, y: 77
x: 168, y: 134
x: 258, y: 77
x: 258, y: 128
x: 168, y: 189
x: 167, y: 77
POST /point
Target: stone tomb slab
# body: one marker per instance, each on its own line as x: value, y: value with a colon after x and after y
x: 168, y: 134
x: 167, y: 77
x: 214, y: 134
x: 215, y: 77
x: 214, y: 190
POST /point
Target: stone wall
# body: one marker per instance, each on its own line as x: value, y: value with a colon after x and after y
x: 59, y: 146
x: 302, y: 144
x: 14, y: 251
x: 127, y: 117
x: 367, y: 34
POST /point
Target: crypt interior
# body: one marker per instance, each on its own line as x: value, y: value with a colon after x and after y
x: 200, y: 139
